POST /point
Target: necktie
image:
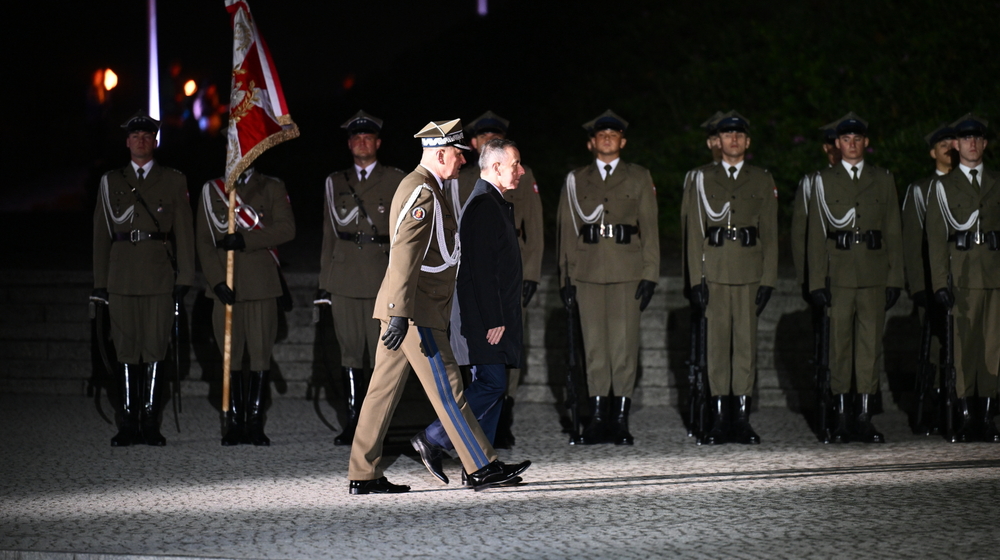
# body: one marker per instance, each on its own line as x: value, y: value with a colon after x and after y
x: 975, y: 183
x: 732, y: 172
x: 854, y: 170
x: 607, y: 172
x: 139, y: 173
x: 364, y: 175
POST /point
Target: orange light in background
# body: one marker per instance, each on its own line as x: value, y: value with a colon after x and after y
x: 190, y: 88
x: 110, y: 79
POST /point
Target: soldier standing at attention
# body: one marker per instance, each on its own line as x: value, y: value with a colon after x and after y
x: 800, y: 212
x: 609, y: 240
x: 917, y: 267
x: 143, y: 260
x: 963, y: 243
x: 715, y: 147
x: 355, y: 254
x: 733, y: 262
x: 854, y: 240
x: 264, y: 220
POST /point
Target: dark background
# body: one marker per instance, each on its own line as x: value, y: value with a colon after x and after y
x: 547, y: 66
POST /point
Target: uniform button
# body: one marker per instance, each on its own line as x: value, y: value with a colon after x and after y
x: 392, y: 306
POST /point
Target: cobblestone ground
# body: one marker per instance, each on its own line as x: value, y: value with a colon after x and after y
x: 64, y: 490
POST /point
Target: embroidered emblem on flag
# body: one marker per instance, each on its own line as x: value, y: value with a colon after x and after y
x: 418, y: 213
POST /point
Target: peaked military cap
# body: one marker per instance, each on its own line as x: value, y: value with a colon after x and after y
x: 711, y: 125
x: 969, y: 125
x: 852, y: 124
x: 141, y: 121
x: 442, y: 133
x: 606, y: 120
x: 829, y: 131
x: 488, y: 122
x: 362, y: 122
x: 733, y: 121
x: 943, y: 132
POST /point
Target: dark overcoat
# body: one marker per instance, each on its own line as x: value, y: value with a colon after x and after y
x: 490, y: 278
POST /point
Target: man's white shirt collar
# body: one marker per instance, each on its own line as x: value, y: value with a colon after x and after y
x: 979, y: 176
x: 368, y: 170
x: 613, y: 164
x: 145, y: 168
x: 433, y: 174
x: 860, y: 165
x: 738, y: 166
x: 939, y: 173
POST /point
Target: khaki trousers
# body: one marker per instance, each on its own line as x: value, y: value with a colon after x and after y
x: 255, y: 327
x: 732, y: 338
x: 353, y: 324
x: 140, y: 326
x: 977, y: 344
x: 857, y: 321
x: 609, y: 319
x: 439, y: 375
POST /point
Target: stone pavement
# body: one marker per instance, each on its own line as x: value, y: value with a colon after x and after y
x: 66, y: 494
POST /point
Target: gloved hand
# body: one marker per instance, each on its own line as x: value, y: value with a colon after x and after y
x: 322, y: 298
x: 891, y: 297
x: 763, y: 296
x: 920, y: 298
x: 805, y: 293
x: 234, y: 242
x: 180, y: 290
x: 699, y: 295
x: 395, y: 332
x: 644, y: 293
x: 821, y: 297
x: 568, y: 295
x: 224, y: 293
x: 945, y: 297
x: 528, y: 291
x: 100, y: 295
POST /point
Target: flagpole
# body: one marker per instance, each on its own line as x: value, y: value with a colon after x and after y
x: 227, y: 346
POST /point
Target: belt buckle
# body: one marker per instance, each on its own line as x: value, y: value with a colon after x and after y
x: 858, y: 238
x: 978, y: 238
x: 731, y: 233
x: 357, y: 237
x: 135, y: 236
x: 607, y: 230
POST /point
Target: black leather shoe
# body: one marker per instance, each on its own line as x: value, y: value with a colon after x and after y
x: 255, y: 408
x: 990, y: 433
x: 720, y: 422
x: 130, y: 384
x: 866, y: 430
x: 597, y: 431
x: 964, y: 433
x: 620, y: 433
x: 377, y: 486
x: 495, y: 474
x: 512, y: 482
x: 743, y: 432
x: 841, y: 433
x: 150, y: 413
x: 236, y: 415
x: 430, y: 455
x: 355, y: 396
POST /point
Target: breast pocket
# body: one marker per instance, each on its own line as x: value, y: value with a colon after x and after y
x: 747, y: 209
x: 625, y: 208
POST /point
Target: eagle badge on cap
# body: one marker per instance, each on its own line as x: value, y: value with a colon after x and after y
x: 418, y: 213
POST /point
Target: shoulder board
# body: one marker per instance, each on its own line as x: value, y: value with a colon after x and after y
x: 165, y: 168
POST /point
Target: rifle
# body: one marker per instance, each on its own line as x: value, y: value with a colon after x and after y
x: 97, y: 380
x: 572, y: 399
x: 693, y: 371
x: 701, y: 374
x: 177, y: 363
x: 925, y: 375
x: 948, y: 373
x: 824, y: 394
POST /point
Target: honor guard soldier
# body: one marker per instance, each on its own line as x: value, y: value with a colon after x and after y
x: 715, y: 147
x: 143, y: 261
x: 800, y: 210
x: 918, y: 274
x: 355, y: 254
x: 609, y: 245
x: 733, y: 262
x: 963, y: 242
x: 855, y: 258
x: 413, y: 307
x: 264, y: 220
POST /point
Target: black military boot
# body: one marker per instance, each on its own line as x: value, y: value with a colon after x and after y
x: 597, y: 429
x: 990, y: 433
x: 151, y: 406
x: 255, y: 407
x: 866, y: 430
x: 964, y: 433
x: 355, y: 395
x: 720, y: 422
x: 841, y: 432
x: 621, y: 435
x: 236, y: 416
x: 131, y: 389
x: 504, y: 438
x: 742, y: 430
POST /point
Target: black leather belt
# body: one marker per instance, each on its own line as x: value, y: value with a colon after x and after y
x: 360, y: 238
x: 717, y: 235
x: 136, y: 236
x: 622, y: 233
x: 845, y: 238
x: 964, y: 240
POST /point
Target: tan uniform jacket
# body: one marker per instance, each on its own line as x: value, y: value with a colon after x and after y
x: 752, y: 203
x: 877, y: 208
x: 347, y: 268
x: 142, y: 268
x: 407, y: 290
x: 255, y: 273
x: 629, y: 198
x: 978, y: 268
x: 914, y: 245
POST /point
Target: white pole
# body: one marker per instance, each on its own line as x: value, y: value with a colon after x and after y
x: 154, y: 68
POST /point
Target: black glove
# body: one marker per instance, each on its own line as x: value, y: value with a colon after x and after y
x: 821, y: 297
x: 395, y: 332
x: 891, y: 297
x: 322, y: 297
x: 644, y: 293
x: 528, y: 291
x: 763, y: 296
x: 945, y: 297
x: 224, y: 293
x: 568, y: 295
x: 180, y: 290
x: 699, y: 295
x: 920, y: 298
x: 805, y: 293
x: 234, y: 242
x: 100, y: 295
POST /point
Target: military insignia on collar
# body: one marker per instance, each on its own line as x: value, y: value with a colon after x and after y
x: 418, y: 213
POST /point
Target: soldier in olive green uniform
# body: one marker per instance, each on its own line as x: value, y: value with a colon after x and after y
x: 800, y: 210
x: 609, y: 242
x: 918, y: 269
x: 528, y: 221
x: 963, y: 245
x: 143, y: 261
x: 264, y: 220
x: 855, y: 240
x: 355, y: 254
x: 733, y: 265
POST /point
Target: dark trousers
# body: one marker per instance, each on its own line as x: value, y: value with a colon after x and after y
x: 484, y: 395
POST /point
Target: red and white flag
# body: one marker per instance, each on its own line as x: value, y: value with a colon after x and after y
x: 258, y: 115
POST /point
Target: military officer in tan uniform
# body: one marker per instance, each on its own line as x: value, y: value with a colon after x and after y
x: 854, y: 240
x: 355, y: 254
x: 414, y: 307
x: 528, y: 221
x: 143, y: 260
x: 963, y: 245
x: 917, y: 267
x: 733, y: 262
x: 610, y: 248
x: 264, y: 220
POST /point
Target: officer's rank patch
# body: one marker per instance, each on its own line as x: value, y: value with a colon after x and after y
x: 418, y: 213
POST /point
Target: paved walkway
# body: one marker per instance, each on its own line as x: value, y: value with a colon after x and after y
x: 64, y: 490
